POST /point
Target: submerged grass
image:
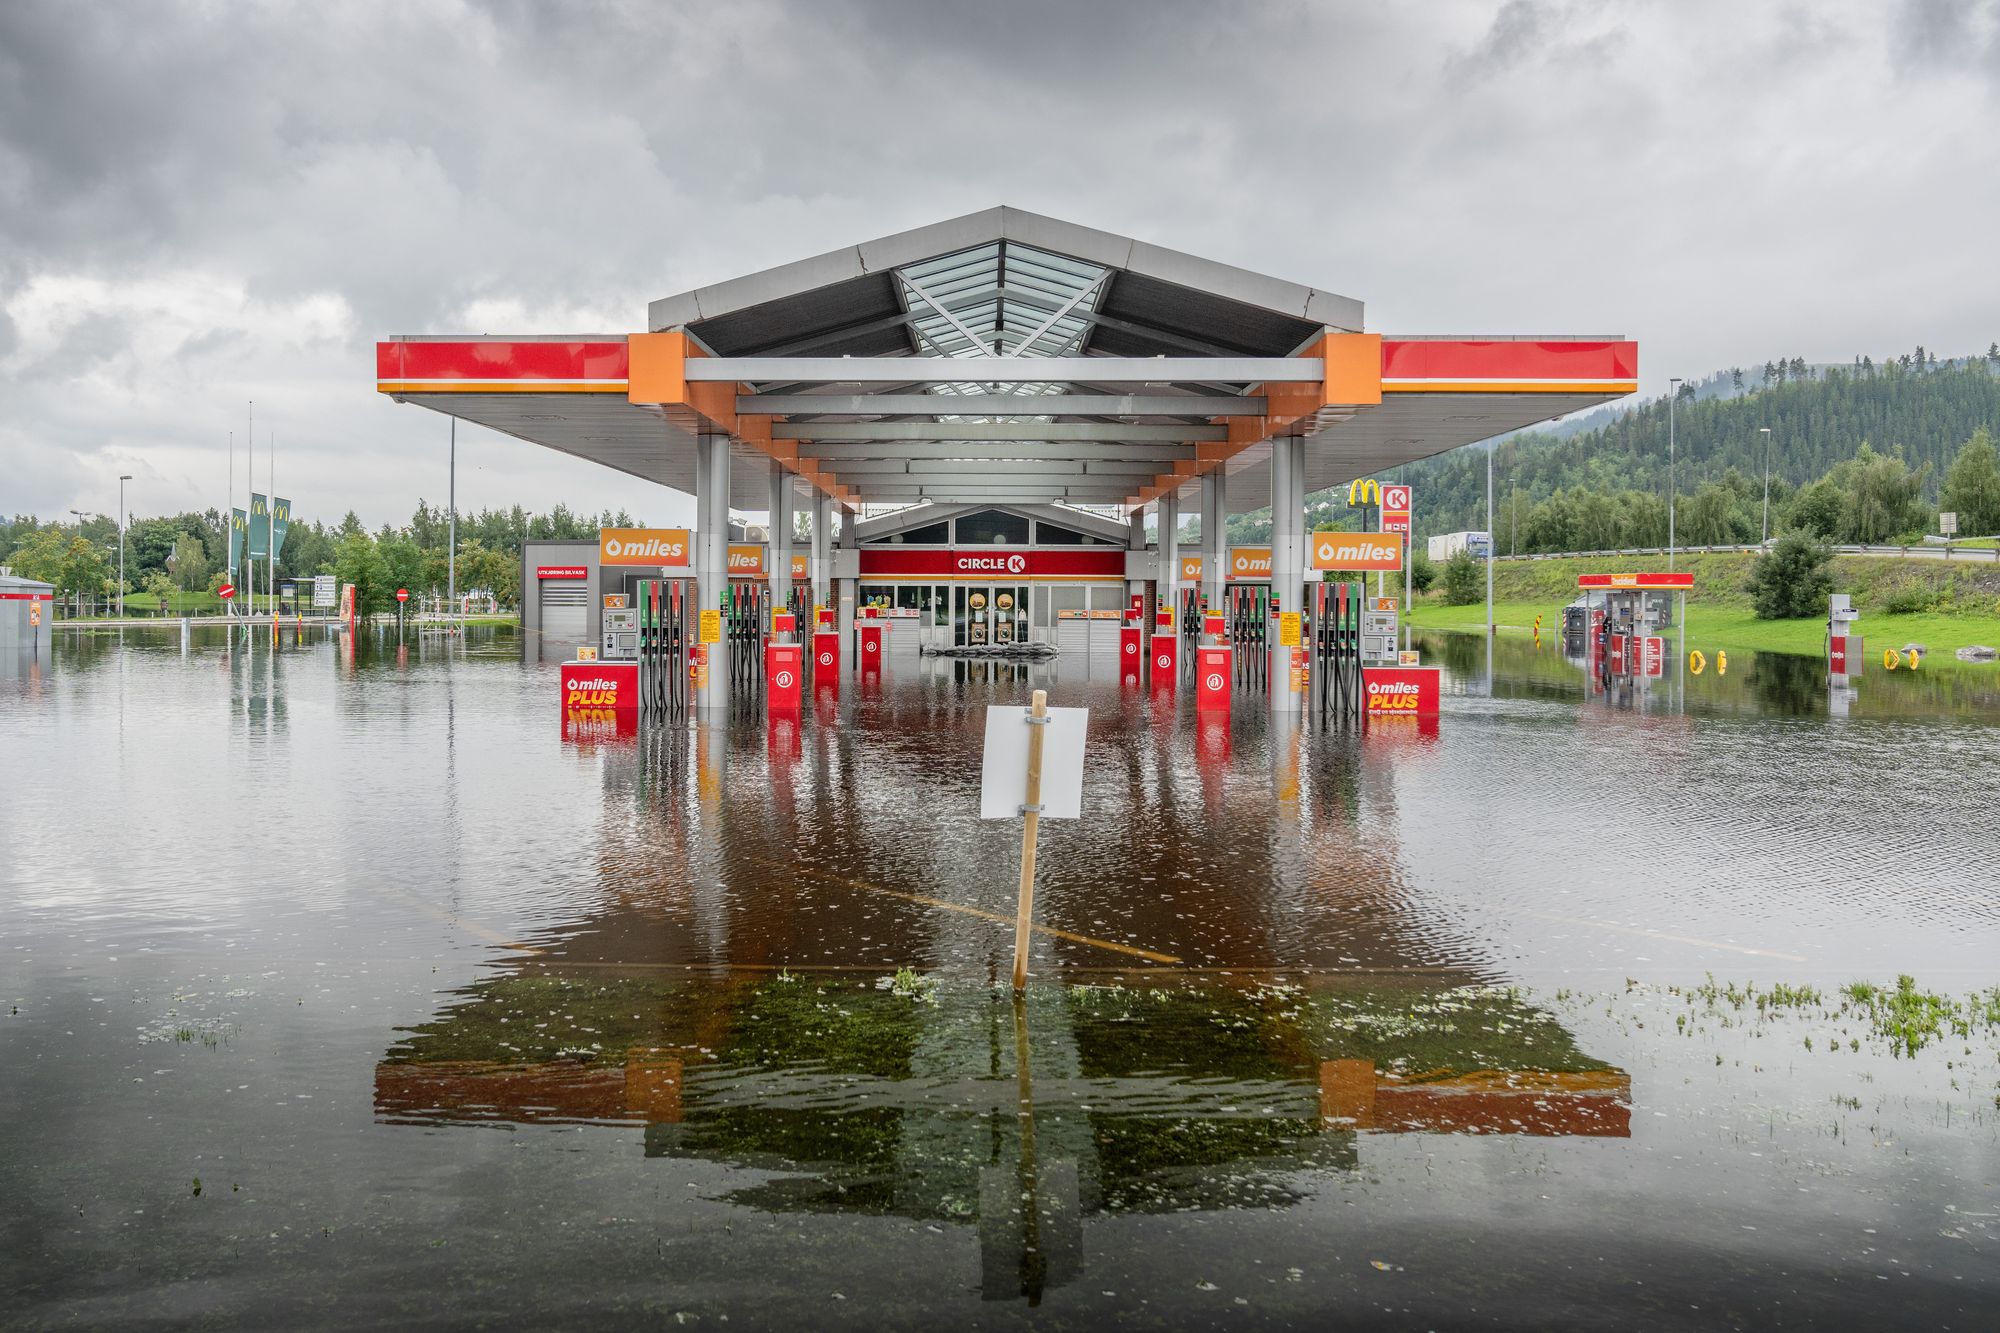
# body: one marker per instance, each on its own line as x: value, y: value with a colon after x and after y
x: 1906, y: 1017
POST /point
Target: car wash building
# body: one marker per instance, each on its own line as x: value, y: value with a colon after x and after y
x: 994, y: 406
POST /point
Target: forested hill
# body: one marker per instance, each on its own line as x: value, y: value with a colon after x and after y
x: 1819, y: 418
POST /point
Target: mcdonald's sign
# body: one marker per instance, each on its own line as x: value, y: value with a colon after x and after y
x: 1364, y: 490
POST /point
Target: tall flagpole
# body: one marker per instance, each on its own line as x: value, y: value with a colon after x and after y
x: 249, y: 483
x: 228, y: 503
x: 271, y: 540
x: 451, y: 549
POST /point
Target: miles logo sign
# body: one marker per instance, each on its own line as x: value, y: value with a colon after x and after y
x: 612, y: 686
x: 1399, y: 691
x: 642, y: 546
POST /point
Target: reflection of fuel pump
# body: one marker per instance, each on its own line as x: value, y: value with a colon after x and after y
x: 1843, y: 646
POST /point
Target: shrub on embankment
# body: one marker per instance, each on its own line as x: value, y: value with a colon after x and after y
x: 1881, y: 584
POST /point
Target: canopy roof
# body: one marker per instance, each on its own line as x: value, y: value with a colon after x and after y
x: 1004, y: 357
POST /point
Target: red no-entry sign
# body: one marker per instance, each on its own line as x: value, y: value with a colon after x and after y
x: 402, y: 594
x: 226, y: 591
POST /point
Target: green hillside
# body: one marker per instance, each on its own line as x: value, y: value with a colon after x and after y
x: 1819, y: 419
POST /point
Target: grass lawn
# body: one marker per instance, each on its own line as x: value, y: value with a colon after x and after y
x: 1712, y: 627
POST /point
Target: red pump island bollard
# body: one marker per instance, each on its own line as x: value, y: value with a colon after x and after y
x: 1165, y: 652
x: 826, y: 651
x: 872, y: 630
x: 1131, y: 654
x: 1214, y: 667
x: 784, y: 668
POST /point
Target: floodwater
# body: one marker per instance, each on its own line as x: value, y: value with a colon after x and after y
x: 340, y: 993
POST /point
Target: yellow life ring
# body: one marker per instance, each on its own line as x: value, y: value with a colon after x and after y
x: 1696, y: 661
x: 1891, y: 659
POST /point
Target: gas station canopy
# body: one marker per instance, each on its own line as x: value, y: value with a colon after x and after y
x: 1003, y: 357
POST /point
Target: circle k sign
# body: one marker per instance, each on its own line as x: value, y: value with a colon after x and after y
x: 826, y: 659
x: 1215, y: 680
x: 783, y: 680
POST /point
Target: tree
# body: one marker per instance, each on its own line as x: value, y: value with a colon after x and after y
x: 1791, y: 581
x: 481, y: 567
x: 357, y: 560
x: 1461, y: 579
x: 188, y: 565
x: 1972, y: 487
x: 160, y: 586
x: 1881, y: 498
x: 1816, y: 509
x: 1708, y: 517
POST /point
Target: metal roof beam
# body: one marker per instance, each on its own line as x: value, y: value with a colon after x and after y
x: 1030, y: 451
x: 982, y: 431
x: 1003, y: 404
x: 1006, y: 370
x: 1008, y: 467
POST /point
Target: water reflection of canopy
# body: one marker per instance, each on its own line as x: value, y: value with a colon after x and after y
x: 1163, y: 1097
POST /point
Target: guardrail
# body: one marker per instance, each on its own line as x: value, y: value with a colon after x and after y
x: 1940, y: 552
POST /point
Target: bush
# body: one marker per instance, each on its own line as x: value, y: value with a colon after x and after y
x: 1462, y: 584
x: 1911, y: 598
x: 1422, y: 572
x: 1792, y: 581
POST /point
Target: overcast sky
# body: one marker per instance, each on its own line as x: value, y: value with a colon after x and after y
x: 203, y: 204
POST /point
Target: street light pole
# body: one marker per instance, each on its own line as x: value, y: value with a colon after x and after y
x: 1673, y: 392
x: 1765, y: 431
x: 79, y: 532
x: 123, y: 477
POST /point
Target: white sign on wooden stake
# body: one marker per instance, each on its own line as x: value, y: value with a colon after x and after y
x: 1003, y: 775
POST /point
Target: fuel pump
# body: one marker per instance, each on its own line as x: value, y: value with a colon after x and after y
x: 1843, y: 646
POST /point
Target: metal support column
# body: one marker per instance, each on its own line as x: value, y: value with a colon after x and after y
x: 1214, y: 541
x: 711, y: 559
x: 1136, y: 541
x: 821, y: 566
x: 846, y: 592
x: 779, y: 575
x: 1288, y: 551
x: 1168, y: 580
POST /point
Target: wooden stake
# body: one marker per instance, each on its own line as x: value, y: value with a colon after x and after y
x: 1024, y: 910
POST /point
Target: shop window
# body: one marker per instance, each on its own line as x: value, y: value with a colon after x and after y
x: 931, y: 534
x: 1051, y: 534
x: 991, y: 527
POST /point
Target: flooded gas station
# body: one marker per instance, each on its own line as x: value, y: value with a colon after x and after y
x: 1580, y: 1004
x: 651, y: 959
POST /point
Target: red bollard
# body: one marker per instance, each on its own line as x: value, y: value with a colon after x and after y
x: 1166, y: 654
x: 871, y: 646
x: 826, y: 659
x: 1213, y: 673
x: 784, y: 676
x: 1131, y: 655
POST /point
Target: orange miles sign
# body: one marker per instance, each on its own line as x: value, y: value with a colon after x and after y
x: 746, y: 561
x: 1245, y: 562
x: 1357, y: 550
x: 643, y: 546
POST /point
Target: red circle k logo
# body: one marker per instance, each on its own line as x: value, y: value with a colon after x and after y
x: 1017, y: 564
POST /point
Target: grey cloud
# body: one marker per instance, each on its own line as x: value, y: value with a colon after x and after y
x: 1457, y: 165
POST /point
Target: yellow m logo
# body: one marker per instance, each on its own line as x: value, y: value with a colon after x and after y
x: 1367, y: 488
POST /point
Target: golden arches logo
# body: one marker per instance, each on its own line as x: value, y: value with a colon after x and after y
x: 1367, y: 488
